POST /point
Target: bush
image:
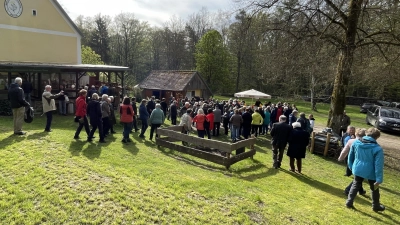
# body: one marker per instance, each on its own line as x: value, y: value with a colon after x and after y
x: 5, y: 108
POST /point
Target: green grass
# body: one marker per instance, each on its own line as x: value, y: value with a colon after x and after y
x: 50, y: 178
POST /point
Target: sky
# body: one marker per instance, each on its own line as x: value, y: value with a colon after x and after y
x: 156, y: 12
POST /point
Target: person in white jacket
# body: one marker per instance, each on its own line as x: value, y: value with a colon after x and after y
x: 186, y: 123
x: 49, y: 105
x: 360, y: 133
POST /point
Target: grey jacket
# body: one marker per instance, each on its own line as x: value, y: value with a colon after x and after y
x: 236, y: 120
x: 217, y: 115
x: 105, y: 109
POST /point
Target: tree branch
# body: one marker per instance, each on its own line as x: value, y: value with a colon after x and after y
x: 337, y: 10
x: 379, y: 43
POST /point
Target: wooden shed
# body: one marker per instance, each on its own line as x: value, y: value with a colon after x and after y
x: 175, y: 83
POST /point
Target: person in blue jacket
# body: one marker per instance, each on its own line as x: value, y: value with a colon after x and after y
x: 366, y: 161
x: 144, y: 116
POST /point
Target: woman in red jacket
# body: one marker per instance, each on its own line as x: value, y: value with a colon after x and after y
x: 210, y: 118
x: 80, y: 113
x: 200, y: 119
x: 126, y: 118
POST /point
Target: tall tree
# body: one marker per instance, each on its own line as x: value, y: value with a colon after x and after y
x: 100, y: 39
x: 212, y: 59
x: 346, y: 25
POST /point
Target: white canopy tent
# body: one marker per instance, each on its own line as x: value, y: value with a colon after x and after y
x: 252, y: 94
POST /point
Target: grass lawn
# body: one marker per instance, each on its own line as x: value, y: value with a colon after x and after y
x: 50, y: 178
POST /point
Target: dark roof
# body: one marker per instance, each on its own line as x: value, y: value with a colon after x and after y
x: 67, y: 17
x: 171, y: 80
x: 42, y: 67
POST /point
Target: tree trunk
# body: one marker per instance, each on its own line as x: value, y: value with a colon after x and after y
x: 239, y: 65
x: 338, y: 98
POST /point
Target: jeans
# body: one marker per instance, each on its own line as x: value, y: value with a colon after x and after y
x: 200, y: 133
x: 153, y: 128
x: 216, y: 128
x: 127, y: 130
x: 62, y: 106
x: 144, y: 127
x: 265, y: 128
x: 49, y: 116
x: 356, y: 186
x: 28, y: 98
x: 81, y: 125
x: 235, y: 132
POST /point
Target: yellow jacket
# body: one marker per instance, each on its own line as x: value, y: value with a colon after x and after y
x: 257, y: 119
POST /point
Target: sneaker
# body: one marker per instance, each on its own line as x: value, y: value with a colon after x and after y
x: 20, y: 133
x: 379, y: 208
x: 76, y: 137
x: 102, y: 141
x: 89, y: 140
x: 350, y: 206
x: 124, y: 140
x: 363, y: 192
x: 49, y: 130
x: 128, y: 140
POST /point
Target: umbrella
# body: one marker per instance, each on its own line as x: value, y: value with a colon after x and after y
x: 252, y: 94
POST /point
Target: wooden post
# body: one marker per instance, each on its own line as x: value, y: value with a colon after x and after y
x: 312, y: 142
x: 328, y: 139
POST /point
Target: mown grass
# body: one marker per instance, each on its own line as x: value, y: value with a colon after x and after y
x: 50, y: 178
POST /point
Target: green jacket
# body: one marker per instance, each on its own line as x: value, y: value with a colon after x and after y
x: 257, y: 119
x: 157, y: 116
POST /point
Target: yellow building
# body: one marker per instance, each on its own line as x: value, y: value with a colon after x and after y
x: 38, y: 31
x: 40, y: 43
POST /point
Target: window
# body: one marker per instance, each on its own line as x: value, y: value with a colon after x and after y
x: 3, y: 81
x: 50, y: 79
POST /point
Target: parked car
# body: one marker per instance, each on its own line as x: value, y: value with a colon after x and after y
x: 384, y: 118
x: 364, y: 107
x: 394, y: 105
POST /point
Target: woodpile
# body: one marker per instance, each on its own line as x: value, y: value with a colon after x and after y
x: 326, y: 144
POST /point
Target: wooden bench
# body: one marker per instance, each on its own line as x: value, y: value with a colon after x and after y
x: 211, y: 150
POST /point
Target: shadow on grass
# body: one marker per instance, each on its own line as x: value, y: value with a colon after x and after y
x: 381, y: 214
x: 170, y: 153
x: 37, y: 135
x: 254, y: 177
x: 11, y: 139
x: 324, y: 187
x: 390, y: 191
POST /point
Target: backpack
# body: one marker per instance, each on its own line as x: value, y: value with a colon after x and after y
x: 28, y: 116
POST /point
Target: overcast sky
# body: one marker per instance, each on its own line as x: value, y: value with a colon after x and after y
x: 156, y: 12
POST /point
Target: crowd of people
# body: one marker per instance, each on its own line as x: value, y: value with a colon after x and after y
x: 282, y: 121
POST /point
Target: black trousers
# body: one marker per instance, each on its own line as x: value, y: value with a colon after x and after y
x: 106, y: 125
x: 208, y: 132
x: 173, y: 119
x: 49, y: 116
x: 216, y: 128
x: 134, y: 124
x: 153, y: 128
x: 246, y: 132
x: 81, y: 125
x: 98, y: 125
x: 355, y: 187
x: 255, y: 129
x: 226, y: 129
x: 278, y: 151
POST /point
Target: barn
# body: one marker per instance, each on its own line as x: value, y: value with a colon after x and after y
x: 175, y: 83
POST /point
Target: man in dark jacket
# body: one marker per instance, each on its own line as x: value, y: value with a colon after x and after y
x: 18, y: 103
x: 164, y: 106
x: 246, y: 125
x: 92, y: 91
x: 173, y: 111
x: 28, y: 88
x: 151, y: 105
x: 144, y: 117
x: 280, y: 133
x: 217, y: 120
